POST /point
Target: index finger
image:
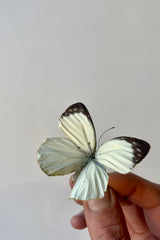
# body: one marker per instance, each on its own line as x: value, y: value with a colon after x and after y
x: 138, y: 190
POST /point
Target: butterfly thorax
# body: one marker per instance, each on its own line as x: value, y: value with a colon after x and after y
x: 92, y: 156
x: 79, y: 170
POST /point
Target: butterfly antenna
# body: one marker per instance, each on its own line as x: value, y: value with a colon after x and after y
x: 103, y: 134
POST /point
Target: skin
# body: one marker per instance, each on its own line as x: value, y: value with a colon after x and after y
x: 130, y: 209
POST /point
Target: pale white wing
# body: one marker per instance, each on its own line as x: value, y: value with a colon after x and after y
x: 91, y: 183
x: 122, y: 154
x: 77, y: 124
x: 59, y: 156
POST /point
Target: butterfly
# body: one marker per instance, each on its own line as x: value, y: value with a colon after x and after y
x: 77, y: 153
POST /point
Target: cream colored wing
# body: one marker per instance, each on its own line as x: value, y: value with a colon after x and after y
x: 122, y: 154
x: 91, y: 183
x: 77, y: 124
x: 60, y: 156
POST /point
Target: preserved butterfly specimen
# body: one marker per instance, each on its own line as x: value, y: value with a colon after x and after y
x: 77, y: 153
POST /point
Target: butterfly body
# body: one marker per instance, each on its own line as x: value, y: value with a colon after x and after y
x: 59, y: 156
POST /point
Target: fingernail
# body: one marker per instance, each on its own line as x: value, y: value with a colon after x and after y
x: 98, y: 205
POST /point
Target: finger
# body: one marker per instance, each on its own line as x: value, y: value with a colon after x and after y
x: 138, y: 190
x: 104, y: 218
x: 135, y: 219
x: 70, y: 182
x: 142, y: 223
x: 152, y: 216
x: 78, y: 221
x: 133, y: 214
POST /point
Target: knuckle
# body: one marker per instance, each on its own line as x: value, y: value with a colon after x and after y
x: 112, y: 232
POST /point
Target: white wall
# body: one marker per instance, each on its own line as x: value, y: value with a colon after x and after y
x: 55, y: 53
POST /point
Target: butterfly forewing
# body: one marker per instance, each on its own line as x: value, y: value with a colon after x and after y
x: 77, y: 124
x: 140, y: 147
x: 59, y: 156
x: 122, y: 154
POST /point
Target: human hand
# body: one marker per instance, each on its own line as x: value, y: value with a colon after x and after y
x: 130, y: 209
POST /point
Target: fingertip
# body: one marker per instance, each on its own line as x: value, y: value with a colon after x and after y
x: 70, y: 182
x: 78, y: 221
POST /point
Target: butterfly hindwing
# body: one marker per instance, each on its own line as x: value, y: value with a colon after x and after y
x: 122, y: 154
x: 91, y: 183
x: 60, y: 156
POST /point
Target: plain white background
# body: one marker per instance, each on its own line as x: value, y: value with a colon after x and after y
x: 54, y: 53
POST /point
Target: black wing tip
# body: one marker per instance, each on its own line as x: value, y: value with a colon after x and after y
x: 144, y: 147
x: 76, y: 108
x: 140, y: 148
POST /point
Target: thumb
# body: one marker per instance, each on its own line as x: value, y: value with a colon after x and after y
x: 104, y: 218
